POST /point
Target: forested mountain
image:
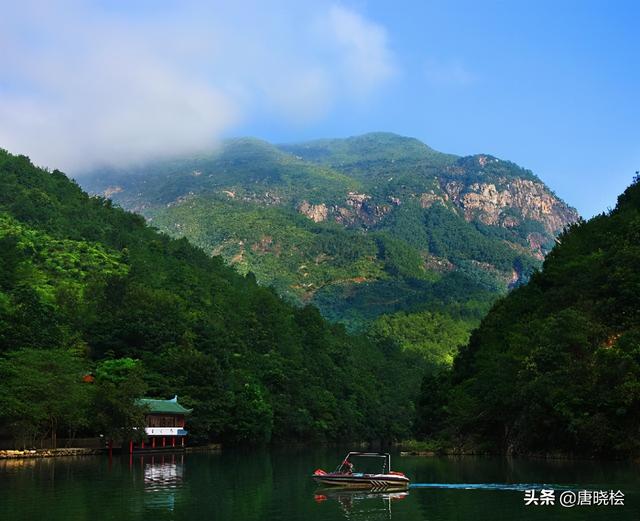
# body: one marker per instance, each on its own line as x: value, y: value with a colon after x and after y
x: 89, y: 290
x: 365, y: 228
x: 555, y: 366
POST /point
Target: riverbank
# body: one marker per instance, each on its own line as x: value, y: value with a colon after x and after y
x: 69, y: 451
x: 211, y: 447
x: 433, y: 448
x: 47, y: 453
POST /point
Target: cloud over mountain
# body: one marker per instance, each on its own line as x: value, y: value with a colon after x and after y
x: 83, y: 84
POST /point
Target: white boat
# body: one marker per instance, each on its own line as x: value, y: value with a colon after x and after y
x: 346, y: 476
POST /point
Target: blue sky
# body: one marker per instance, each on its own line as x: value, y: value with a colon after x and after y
x: 549, y: 85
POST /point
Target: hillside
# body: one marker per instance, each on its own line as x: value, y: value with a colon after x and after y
x: 86, y: 288
x: 360, y: 227
x: 555, y: 366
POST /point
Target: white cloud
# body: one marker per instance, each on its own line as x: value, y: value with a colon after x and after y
x: 82, y: 84
x: 367, y: 58
x: 302, y: 95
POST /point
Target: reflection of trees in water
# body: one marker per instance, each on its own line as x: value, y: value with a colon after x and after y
x: 358, y: 504
x: 240, y: 485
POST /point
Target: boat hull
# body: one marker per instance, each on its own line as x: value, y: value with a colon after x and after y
x: 364, y: 482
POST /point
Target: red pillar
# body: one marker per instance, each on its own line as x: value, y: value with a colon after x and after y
x: 130, y: 446
x: 142, y: 444
x: 153, y: 442
x: 164, y: 442
x: 173, y: 441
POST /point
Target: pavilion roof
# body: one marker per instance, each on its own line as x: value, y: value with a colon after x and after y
x: 164, y: 406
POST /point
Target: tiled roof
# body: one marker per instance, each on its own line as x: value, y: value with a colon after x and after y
x: 164, y: 406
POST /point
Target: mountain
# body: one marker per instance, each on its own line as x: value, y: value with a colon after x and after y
x: 555, y: 365
x: 361, y: 227
x: 88, y: 288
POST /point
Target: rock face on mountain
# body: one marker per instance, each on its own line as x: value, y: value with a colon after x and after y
x: 316, y: 212
x: 362, y: 226
x: 507, y: 203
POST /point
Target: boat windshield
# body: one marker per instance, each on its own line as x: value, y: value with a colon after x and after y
x: 365, y: 462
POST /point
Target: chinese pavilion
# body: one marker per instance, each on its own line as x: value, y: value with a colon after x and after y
x: 164, y: 425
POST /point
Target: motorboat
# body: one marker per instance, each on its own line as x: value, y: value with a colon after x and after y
x: 347, y: 476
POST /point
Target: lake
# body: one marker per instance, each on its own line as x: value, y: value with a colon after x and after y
x: 275, y: 485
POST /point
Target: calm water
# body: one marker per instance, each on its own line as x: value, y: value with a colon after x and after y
x: 275, y: 485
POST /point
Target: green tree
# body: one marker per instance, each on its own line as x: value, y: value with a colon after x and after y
x: 42, y: 392
x: 252, y: 416
x: 119, y: 384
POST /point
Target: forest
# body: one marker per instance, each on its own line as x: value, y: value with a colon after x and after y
x: 98, y: 309
x: 555, y: 365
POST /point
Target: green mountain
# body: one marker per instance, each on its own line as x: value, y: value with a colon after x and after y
x: 89, y: 288
x: 364, y: 227
x: 555, y: 366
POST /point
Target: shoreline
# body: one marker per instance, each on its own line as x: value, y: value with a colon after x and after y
x: 48, y: 453
x: 429, y: 450
x: 404, y: 450
x: 76, y: 451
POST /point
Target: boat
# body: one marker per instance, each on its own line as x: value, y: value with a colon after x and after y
x: 346, y: 476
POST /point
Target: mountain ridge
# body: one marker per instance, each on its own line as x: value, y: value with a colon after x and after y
x: 375, y: 208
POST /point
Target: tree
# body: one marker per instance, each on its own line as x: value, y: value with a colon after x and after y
x: 42, y: 391
x: 118, y: 385
x: 252, y: 419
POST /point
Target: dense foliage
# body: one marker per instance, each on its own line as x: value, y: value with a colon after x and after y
x: 555, y: 366
x: 86, y: 288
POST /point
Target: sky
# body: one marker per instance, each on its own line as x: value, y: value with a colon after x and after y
x: 550, y: 85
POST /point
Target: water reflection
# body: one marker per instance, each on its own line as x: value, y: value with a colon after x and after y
x: 163, y: 478
x: 243, y: 485
x: 359, y: 504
